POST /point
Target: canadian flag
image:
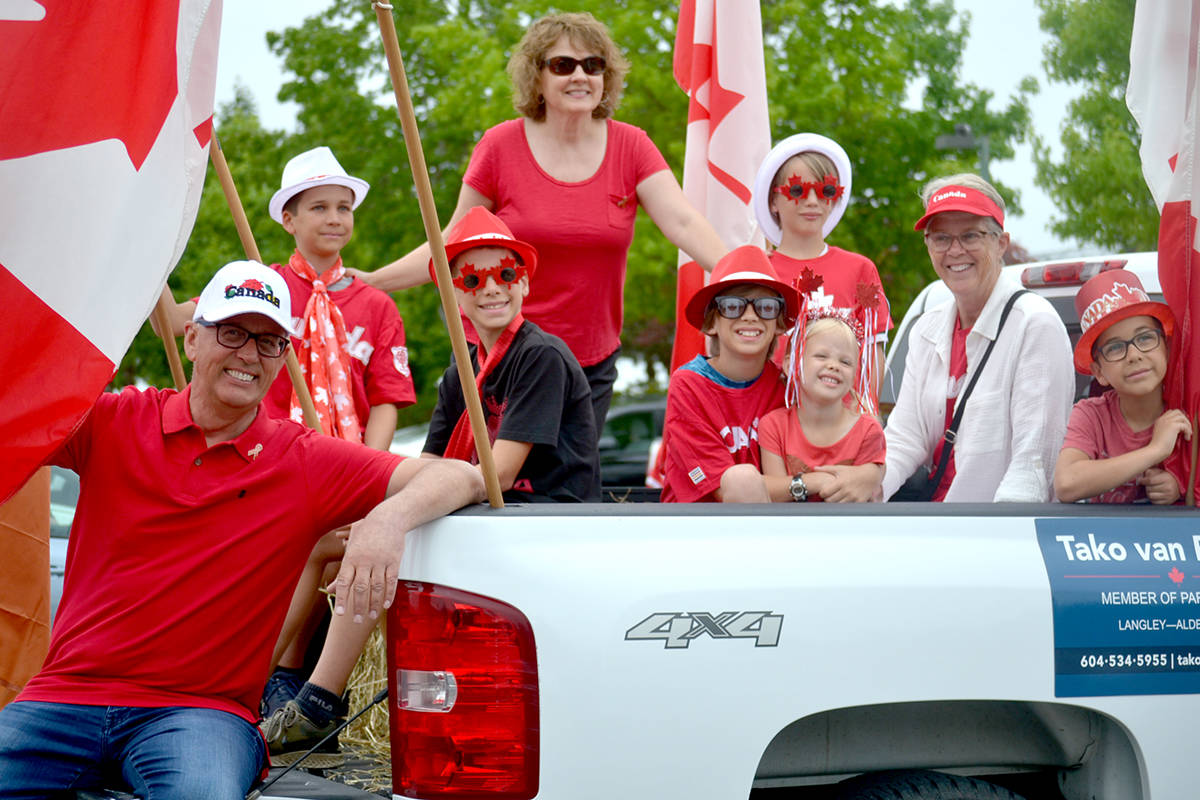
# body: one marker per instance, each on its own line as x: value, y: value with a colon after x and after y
x: 719, y: 63
x: 105, y: 119
x: 1164, y: 98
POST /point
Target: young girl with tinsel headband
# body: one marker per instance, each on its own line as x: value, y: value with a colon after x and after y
x: 825, y: 446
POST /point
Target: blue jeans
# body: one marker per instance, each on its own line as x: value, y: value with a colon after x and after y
x: 156, y: 753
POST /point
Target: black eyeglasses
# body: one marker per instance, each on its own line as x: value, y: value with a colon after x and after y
x: 565, y: 65
x: 268, y: 344
x: 732, y: 306
x: 1116, y: 349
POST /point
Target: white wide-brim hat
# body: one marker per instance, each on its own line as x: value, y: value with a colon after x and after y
x: 246, y: 287
x: 780, y: 153
x: 316, y: 167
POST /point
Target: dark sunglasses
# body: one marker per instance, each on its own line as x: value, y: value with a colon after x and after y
x: 732, y: 306
x: 565, y: 65
x: 268, y: 344
x: 471, y: 278
x: 827, y: 189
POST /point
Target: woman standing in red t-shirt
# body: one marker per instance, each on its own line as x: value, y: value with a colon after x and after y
x: 567, y: 178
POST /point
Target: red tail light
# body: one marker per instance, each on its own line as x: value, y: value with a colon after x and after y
x: 1067, y: 273
x: 462, y: 675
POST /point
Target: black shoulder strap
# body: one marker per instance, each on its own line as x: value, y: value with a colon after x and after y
x: 952, y: 431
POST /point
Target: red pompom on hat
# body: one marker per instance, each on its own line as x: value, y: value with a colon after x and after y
x: 960, y: 198
x: 481, y: 228
x: 1108, y: 298
x: 746, y: 264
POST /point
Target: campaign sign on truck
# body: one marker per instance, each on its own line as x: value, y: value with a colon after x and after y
x: 1126, y: 605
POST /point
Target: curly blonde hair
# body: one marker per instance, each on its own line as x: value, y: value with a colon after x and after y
x: 585, y: 32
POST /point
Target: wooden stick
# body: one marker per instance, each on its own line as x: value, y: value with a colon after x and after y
x: 433, y: 232
x: 251, y: 247
x: 163, y: 318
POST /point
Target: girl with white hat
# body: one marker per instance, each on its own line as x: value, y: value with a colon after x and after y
x: 800, y: 193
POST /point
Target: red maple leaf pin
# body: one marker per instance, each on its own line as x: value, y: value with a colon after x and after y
x: 808, y: 281
x: 1175, y: 575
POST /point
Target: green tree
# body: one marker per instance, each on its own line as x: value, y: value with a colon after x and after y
x: 1098, y: 183
x: 880, y: 78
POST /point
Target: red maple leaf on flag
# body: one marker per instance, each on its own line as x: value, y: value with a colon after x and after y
x: 60, y: 73
x: 1175, y: 575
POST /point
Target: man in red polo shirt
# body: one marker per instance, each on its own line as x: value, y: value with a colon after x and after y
x: 196, y: 514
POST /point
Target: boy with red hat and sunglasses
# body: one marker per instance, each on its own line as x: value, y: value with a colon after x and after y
x: 714, y: 404
x: 535, y: 396
x: 1116, y: 443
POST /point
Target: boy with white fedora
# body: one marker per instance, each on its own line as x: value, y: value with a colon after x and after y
x: 1116, y: 443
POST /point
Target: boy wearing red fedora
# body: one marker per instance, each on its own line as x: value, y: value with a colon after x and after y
x: 535, y: 396
x: 714, y: 404
x: 1116, y: 443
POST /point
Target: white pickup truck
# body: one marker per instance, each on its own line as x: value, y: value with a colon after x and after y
x: 802, y: 651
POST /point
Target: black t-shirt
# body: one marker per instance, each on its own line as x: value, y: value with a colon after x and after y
x: 536, y: 394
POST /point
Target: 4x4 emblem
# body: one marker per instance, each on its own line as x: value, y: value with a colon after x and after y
x: 677, y: 630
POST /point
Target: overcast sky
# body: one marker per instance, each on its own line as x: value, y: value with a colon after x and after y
x: 1005, y: 45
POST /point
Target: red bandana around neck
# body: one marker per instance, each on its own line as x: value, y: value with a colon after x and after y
x: 462, y: 443
x: 324, y: 358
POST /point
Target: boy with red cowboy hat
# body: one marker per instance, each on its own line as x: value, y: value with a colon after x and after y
x: 1116, y: 443
x: 714, y: 404
x: 535, y: 396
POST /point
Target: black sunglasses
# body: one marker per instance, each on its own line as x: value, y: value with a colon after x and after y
x: 732, y: 306
x: 565, y: 65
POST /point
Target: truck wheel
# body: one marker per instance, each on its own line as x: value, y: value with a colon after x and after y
x: 918, y: 784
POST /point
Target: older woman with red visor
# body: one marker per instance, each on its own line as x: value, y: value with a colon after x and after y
x: 568, y: 179
x: 1015, y: 416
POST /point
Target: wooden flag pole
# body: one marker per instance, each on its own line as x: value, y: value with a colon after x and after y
x: 162, y: 318
x: 1191, y: 487
x: 251, y: 247
x: 433, y: 233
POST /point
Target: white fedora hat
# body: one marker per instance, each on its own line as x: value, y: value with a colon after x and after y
x: 316, y: 167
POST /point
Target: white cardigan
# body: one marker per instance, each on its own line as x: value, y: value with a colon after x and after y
x: 1013, y: 426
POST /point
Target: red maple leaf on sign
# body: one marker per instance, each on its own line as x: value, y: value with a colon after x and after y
x: 808, y: 281
x: 1175, y: 575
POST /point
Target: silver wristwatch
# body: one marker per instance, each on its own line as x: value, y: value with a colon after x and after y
x: 797, y: 489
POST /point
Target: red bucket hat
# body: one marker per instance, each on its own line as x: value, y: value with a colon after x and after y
x: 482, y: 228
x: 960, y: 198
x: 1110, y: 297
x: 746, y: 264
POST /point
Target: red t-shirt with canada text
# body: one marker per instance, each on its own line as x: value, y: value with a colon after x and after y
x: 711, y: 425
x: 379, y: 371
x: 780, y: 433
x: 582, y: 231
x: 183, y: 557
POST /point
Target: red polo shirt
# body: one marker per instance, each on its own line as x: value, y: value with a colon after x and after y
x: 183, y: 557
